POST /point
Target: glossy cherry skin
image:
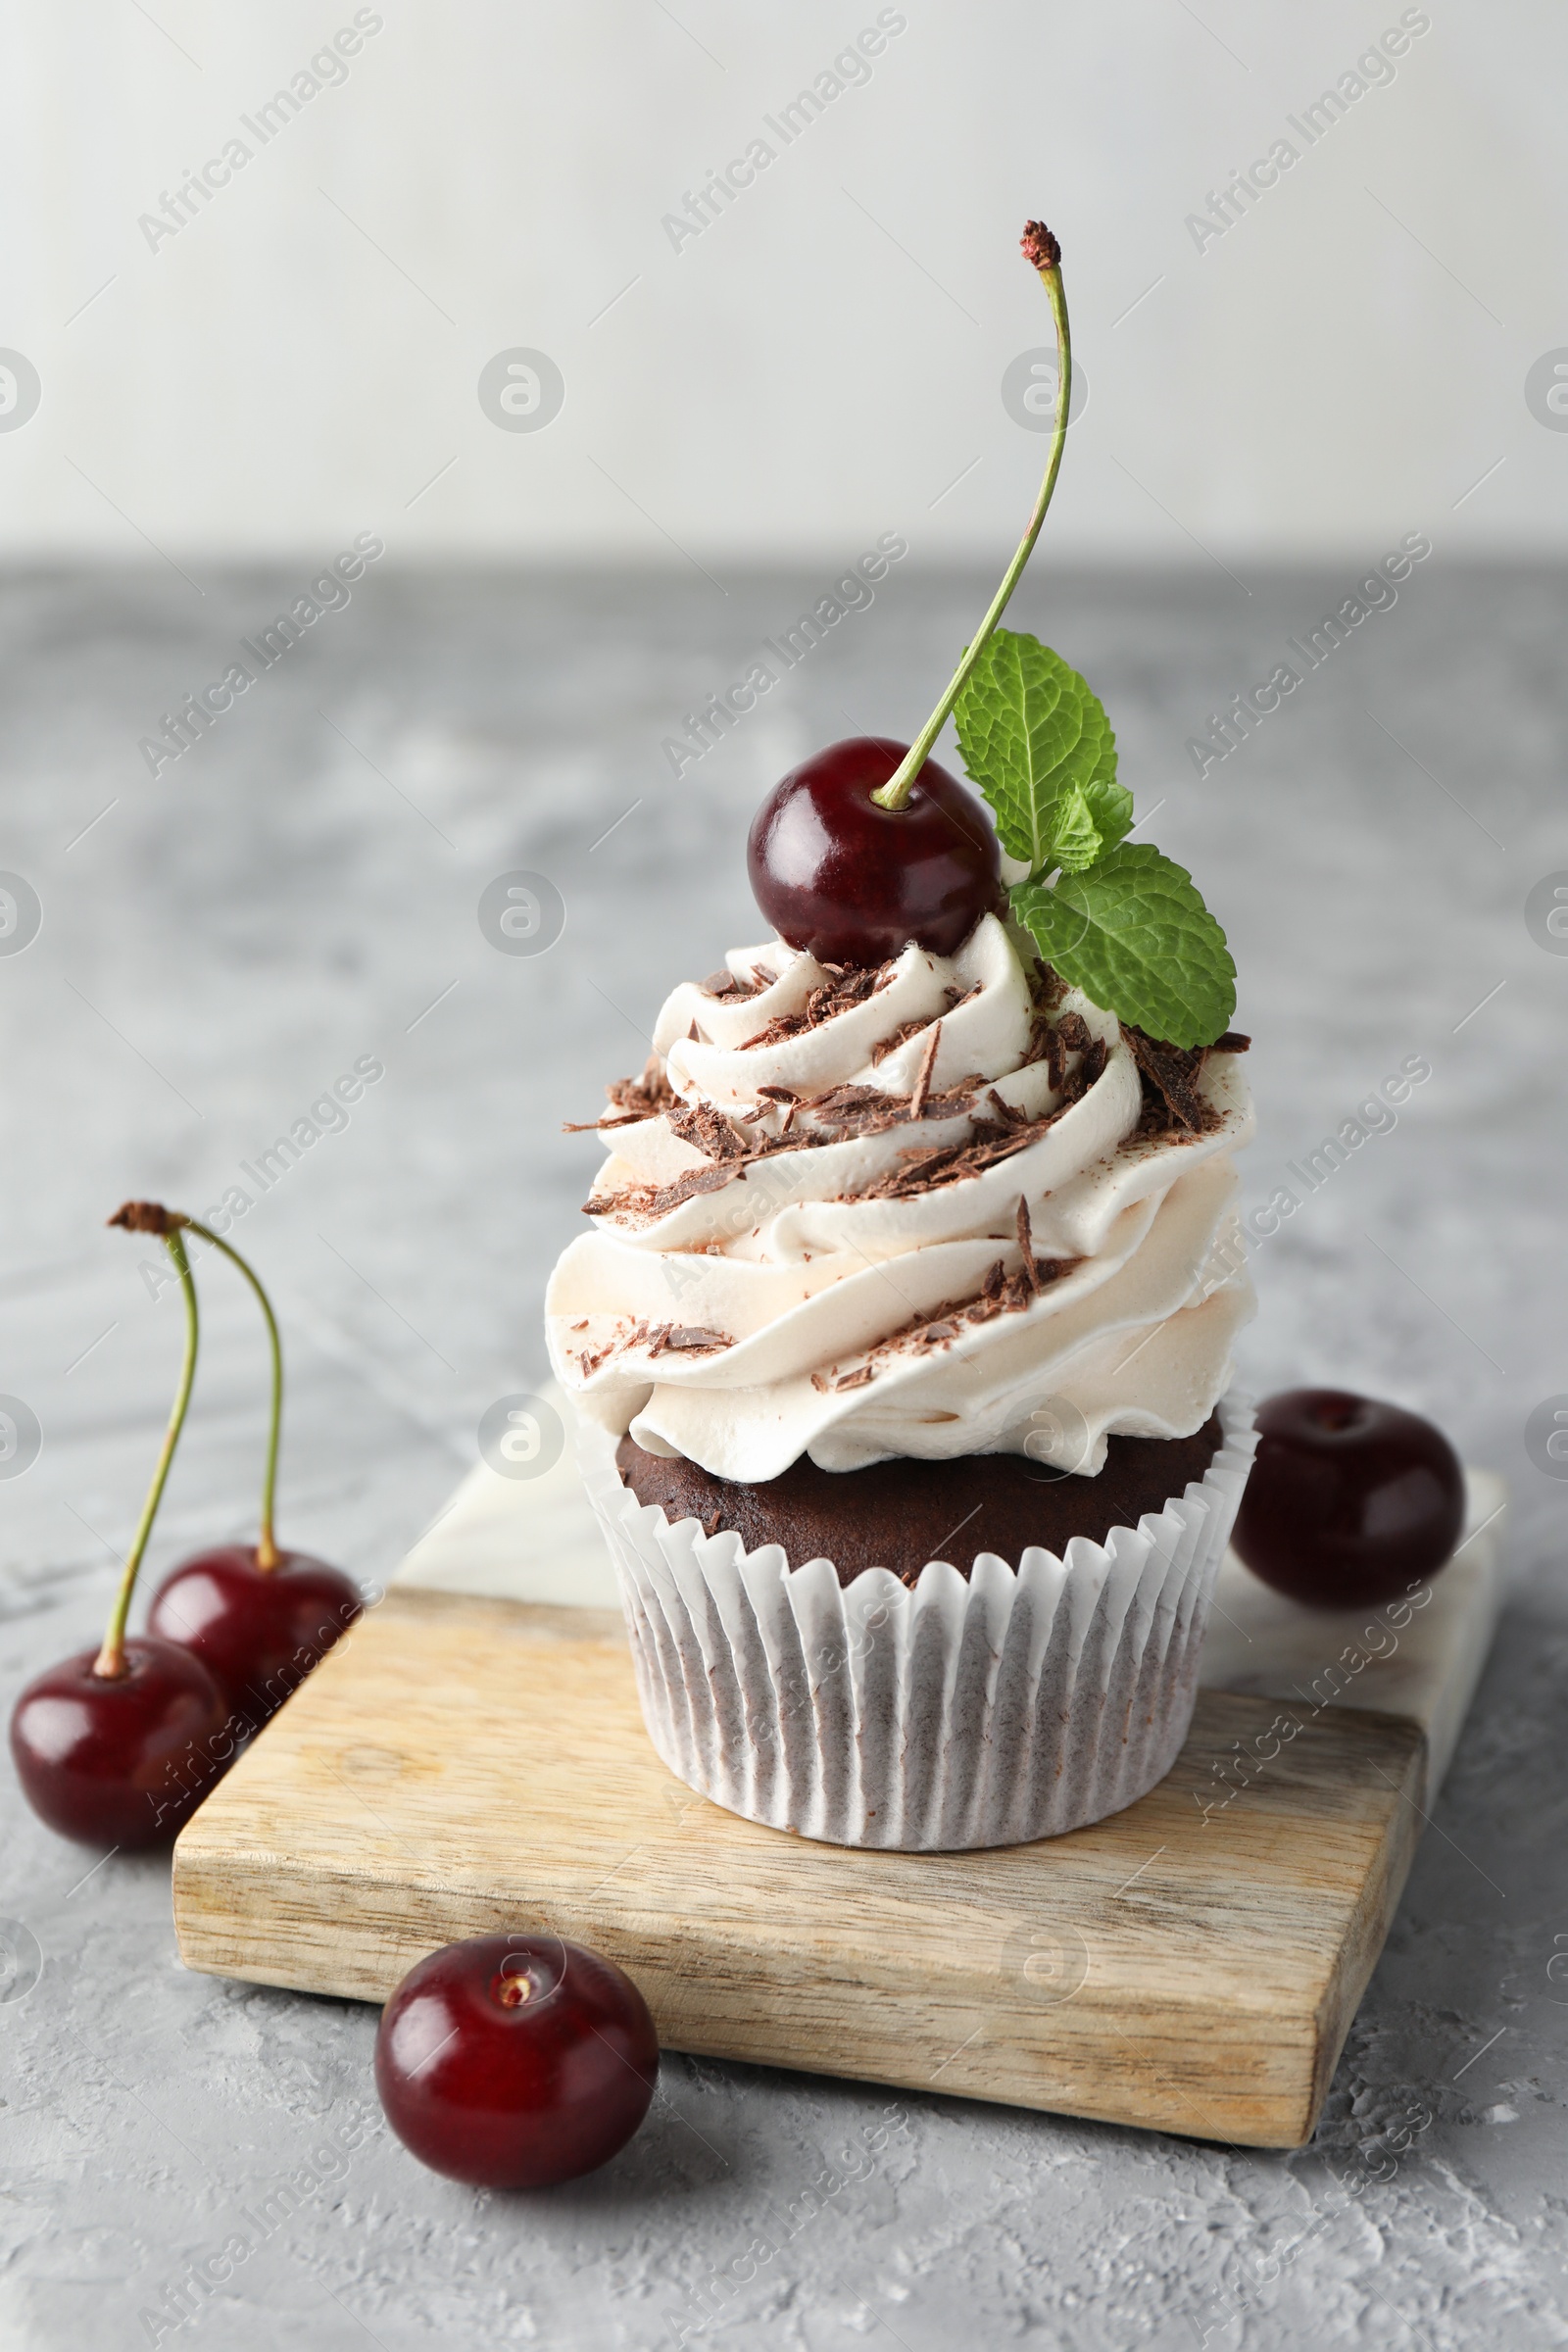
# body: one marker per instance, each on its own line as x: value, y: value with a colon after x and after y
x: 853, y: 883
x: 1350, y: 1501
x: 508, y: 2091
x: 257, y: 1633
x: 122, y: 1762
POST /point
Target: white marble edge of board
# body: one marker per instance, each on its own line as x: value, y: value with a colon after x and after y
x: 536, y: 1541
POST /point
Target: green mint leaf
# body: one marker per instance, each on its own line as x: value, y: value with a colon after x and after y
x: 1134, y: 935
x: 1036, y: 740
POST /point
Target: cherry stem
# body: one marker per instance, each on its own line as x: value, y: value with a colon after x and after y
x: 110, y: 1662
x: 894, y: 792
x: 266, y: 1552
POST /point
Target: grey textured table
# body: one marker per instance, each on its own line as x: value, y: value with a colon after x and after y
x: 221, y: 942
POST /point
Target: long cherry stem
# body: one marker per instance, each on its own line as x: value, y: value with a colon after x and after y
x: 266, y: 1552
x: 111, y: 1659
x: 894, y: 792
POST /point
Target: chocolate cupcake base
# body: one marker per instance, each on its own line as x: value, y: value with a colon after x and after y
x: 1019, y: 1701
x: 901, y: 1515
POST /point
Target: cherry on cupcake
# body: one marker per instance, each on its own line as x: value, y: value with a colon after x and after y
x: 258, y: 1617
x: 852, y: 881
x: 515, y: 2060
x: 870, y: 843
x: 1350, y: 1501
x: 117, y: 1746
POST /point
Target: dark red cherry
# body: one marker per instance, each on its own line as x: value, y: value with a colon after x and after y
x: 257, y: 1632
x: 853, y: 883
x: 1350, y: 1501
x: 515, y: 2060
x: 121, y: 1761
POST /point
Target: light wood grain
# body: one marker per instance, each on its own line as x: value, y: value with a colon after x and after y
x: 459, y: 1765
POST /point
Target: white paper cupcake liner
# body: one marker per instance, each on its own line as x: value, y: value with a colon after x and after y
x: 968, y: 1712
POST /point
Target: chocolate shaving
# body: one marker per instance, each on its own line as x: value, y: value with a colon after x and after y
x: 1052, y: 1041
x: 1026, y: 1243
x: 850, y: 1102
x: 1076, y: 1084
x: 658, y: 1339
x: 848, y: 1111
x: 706, y: 1129
x: 1233, y: 1042
x: 632, y: 1099
x: 1172, y: 1072
x: 646, y: 1095
x: 1155, y: 1124
x: 896, y: 1038
x: 923, y: 1166
x: 658, y: 1200
x: 1046, y: 985
x: 655, y: 1201
x: 999, y: 1293
x: 725, y: 984
x: 1044, y: 1046
x: 922, y: 1083
x: 843, y: 989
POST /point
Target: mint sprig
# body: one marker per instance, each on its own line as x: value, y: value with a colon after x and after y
x: 1116, y: 919
x: 1121, y: 922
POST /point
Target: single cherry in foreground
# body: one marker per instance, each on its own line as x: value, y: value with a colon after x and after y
x: 515, y: 2060
x: 120, y: 1760
x: 258, y: 1630
x: 1350, y: 1501
x: 853, y: 882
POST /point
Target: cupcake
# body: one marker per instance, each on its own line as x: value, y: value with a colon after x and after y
x: 901, y: 1339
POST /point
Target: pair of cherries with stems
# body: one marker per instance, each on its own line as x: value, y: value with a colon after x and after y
x: 506, y: 2061
x: 118, y: 1745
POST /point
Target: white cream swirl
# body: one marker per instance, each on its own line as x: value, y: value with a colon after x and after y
x: 784, y: 1279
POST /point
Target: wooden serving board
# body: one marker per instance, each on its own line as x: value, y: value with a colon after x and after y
x: 472, y: 1760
